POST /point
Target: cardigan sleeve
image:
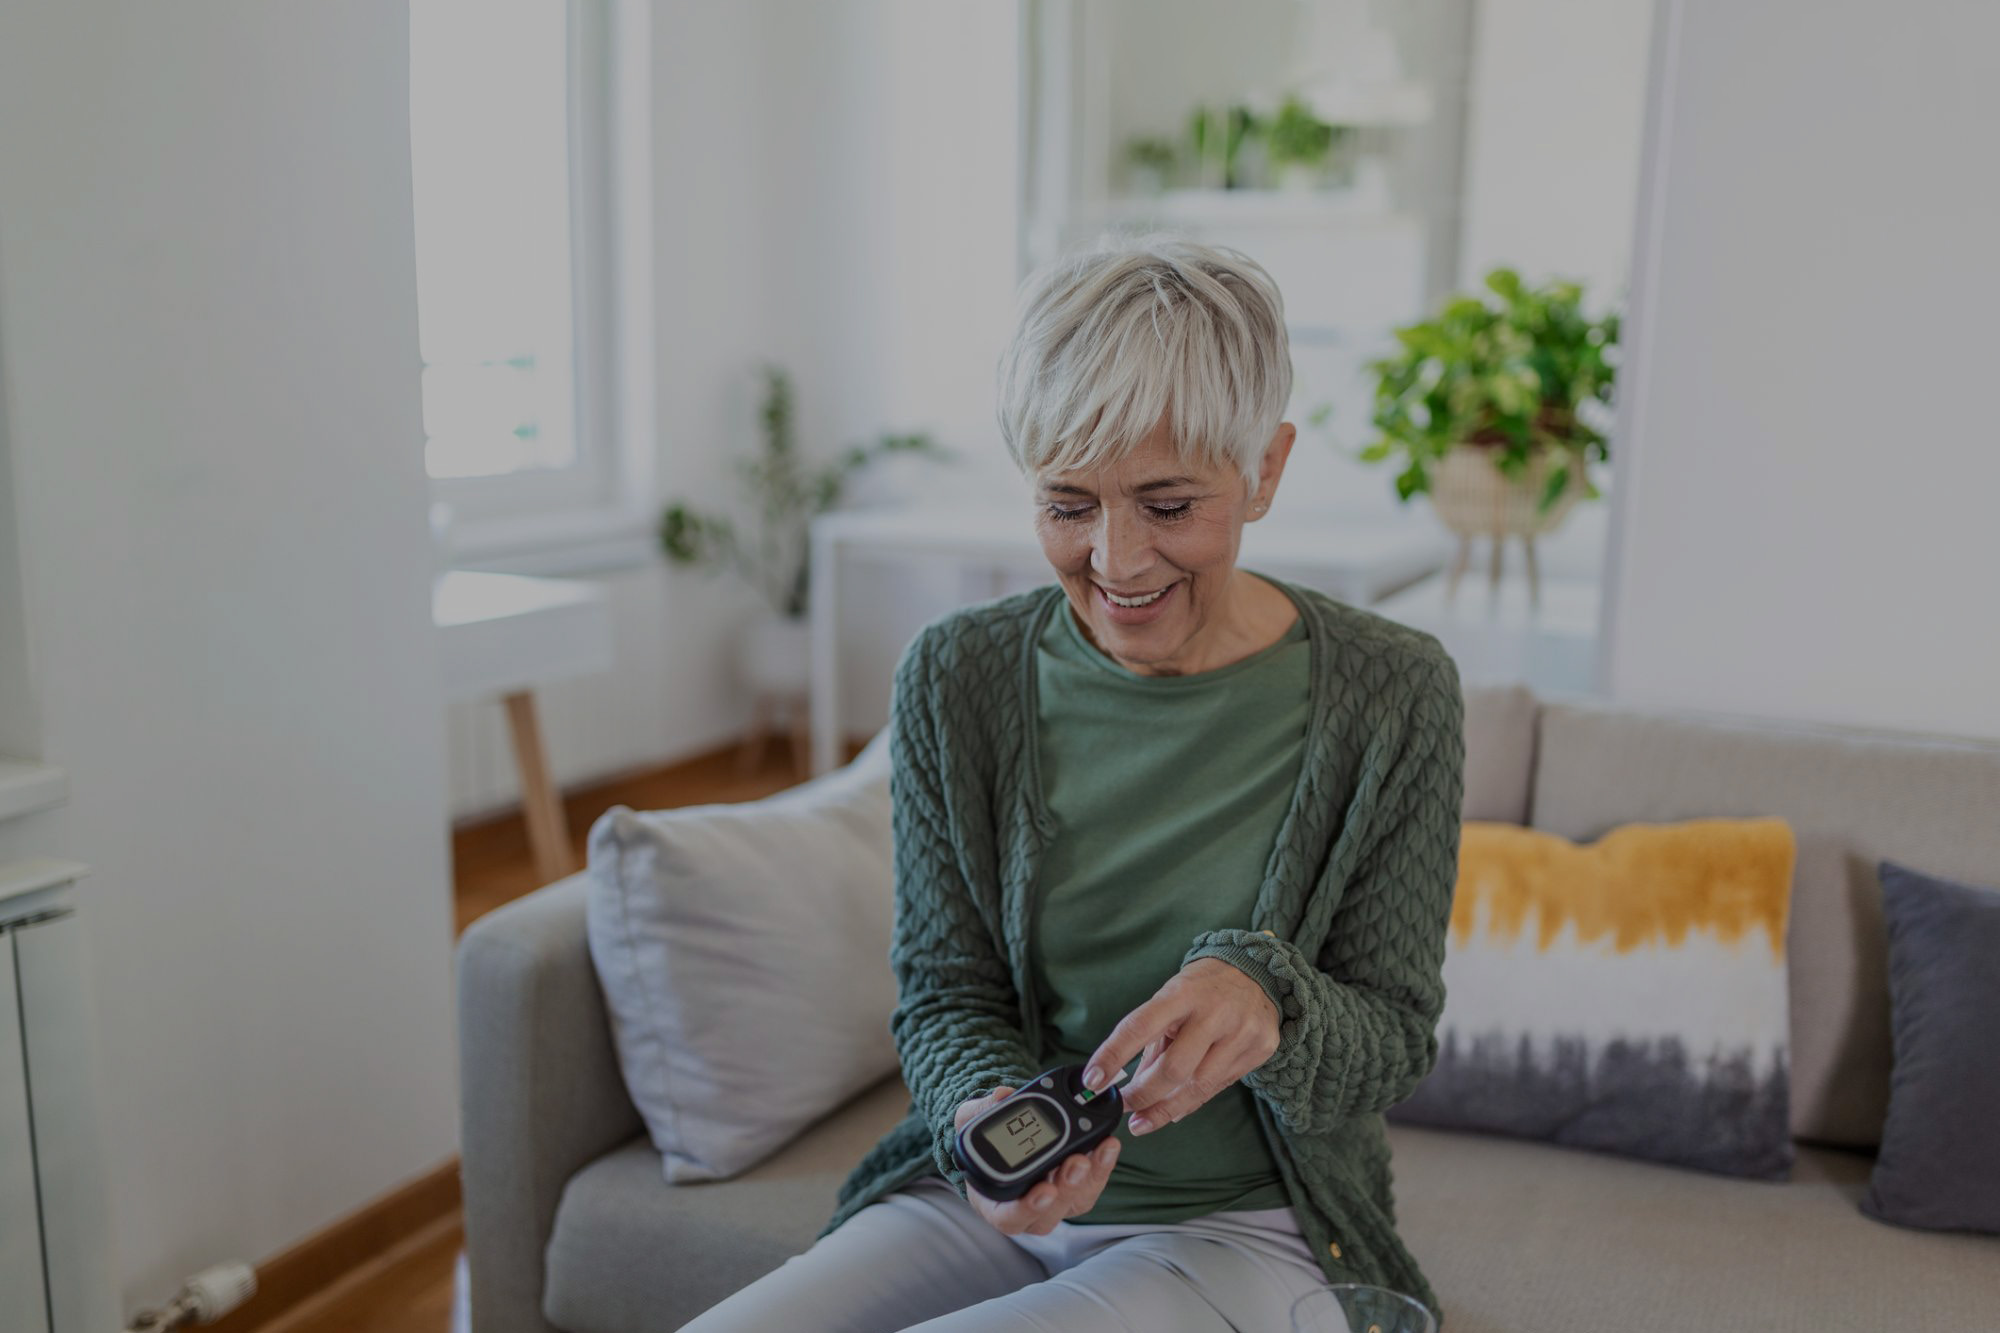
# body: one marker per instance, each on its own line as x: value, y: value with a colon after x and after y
x: 957, y: 1018
x: 1359, y: 1024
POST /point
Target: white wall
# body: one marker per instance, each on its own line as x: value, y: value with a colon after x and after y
x: 1553, y: 127
x: 1809, y: 471
x: 207, y: 310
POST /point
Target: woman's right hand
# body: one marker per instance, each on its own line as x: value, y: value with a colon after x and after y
x: 1068, y: 1191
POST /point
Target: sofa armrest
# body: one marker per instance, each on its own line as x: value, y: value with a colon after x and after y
x: 540, y: 1093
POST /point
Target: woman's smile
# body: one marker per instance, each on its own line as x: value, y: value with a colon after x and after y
x: 1137, y: 609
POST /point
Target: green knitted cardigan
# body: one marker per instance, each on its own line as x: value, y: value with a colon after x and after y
x: 1347, y: 936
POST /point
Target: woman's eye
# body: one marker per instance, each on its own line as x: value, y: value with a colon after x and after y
x: 1070, y: 514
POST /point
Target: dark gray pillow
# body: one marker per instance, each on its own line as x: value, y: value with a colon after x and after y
x: 1940, y: 1161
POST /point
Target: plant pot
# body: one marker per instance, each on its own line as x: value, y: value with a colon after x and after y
x: 1301, y: 177
x: 777, y: 654
x: 1475, y: 499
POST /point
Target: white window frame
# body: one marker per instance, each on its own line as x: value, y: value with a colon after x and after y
x: 596, y: 513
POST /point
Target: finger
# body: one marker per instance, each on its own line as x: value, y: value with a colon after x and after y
x: 1149, y: 1058
x: 967, y: 1110
x: 1102, y: 1159
x: 1046, y: 1207
x: 1016, y: 1214
x: 1134, y: 1031
x: 1176, y: 1065
x: 1221, y: 1067
x: 1097, y: 1171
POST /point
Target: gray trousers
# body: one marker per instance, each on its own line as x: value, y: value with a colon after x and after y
x: 921, y: 1259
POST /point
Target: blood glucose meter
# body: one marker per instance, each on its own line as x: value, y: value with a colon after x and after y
x: 1009, y: 1147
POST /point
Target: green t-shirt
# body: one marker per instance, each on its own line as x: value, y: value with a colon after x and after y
x: 1168, y: 792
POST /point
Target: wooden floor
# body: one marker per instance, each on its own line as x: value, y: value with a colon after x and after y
x: 490, y: 861
x: 410, y: 1289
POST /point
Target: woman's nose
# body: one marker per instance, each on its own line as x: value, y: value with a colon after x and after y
x: 1122, y: 548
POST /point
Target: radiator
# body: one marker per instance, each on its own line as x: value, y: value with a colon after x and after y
x: 54, y: 1262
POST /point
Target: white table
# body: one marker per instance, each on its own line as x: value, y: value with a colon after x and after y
x: 1358, y: 560
x: 1503, y: 638
x: 504, y: 634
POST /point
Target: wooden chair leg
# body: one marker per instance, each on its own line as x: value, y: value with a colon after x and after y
x: 1534, y: 575
x: 541, y: 806
x: 1499, y: 546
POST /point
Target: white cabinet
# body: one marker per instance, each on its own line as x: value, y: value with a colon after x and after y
x: 24, y: 1303
x: 54, y: 1274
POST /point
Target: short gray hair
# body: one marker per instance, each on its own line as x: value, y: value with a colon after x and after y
x: 1110, y: 341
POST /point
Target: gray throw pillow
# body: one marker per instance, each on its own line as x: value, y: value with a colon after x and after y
x: 1940, y: 1162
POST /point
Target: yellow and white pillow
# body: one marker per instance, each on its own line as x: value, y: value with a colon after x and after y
x: 1627, y: 996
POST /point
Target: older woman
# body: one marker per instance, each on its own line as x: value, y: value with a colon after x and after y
x: 1164, y: 809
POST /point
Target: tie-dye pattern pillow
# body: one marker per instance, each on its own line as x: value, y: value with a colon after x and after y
x: 1627, y: 996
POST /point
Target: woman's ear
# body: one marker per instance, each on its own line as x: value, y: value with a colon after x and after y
x: 1272, y: 468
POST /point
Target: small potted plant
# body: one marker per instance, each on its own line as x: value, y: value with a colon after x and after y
x: 1298, y: 145
x: 1149, y: 163
x: 1221, y: 142
x: 1496, y: 408
x: 786, y: 490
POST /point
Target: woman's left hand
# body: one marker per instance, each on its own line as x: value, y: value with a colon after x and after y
x: 1207, y: 1027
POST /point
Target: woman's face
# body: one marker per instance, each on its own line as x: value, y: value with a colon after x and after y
x: 1145, y: 548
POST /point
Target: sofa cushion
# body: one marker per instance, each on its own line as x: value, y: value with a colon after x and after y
x: 1499, y: 752
x: 633, y: 1254
x: 1516, y: 1235
x: 1852, y: 798
x: 1512, y: 1234
x: 781, y: 905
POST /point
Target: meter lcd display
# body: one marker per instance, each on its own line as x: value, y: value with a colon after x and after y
x: 1017, y: 1137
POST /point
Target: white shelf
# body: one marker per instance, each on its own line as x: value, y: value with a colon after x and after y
x: 1232, y: 208
x: 26, y: 788
x: 508, y: 632
x: 30, y: 887
x: 1496, y: 636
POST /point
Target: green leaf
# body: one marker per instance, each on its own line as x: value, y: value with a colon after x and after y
x: 1376, y: 452
x: 1557, y: 483
x: 1411, y: 480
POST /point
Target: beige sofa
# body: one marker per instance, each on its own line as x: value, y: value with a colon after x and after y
x: 570, y: 1226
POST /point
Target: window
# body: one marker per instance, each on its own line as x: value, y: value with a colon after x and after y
x: 509, y: 118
